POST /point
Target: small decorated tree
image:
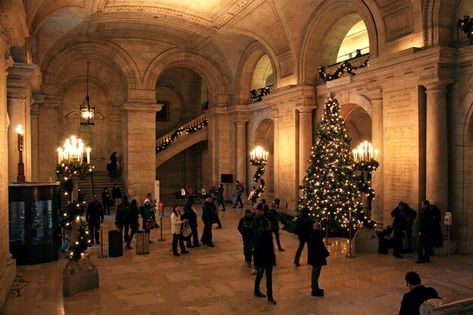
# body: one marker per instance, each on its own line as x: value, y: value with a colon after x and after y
x: 330, y: 189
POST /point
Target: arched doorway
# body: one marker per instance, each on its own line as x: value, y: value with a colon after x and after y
x: 358, y: 123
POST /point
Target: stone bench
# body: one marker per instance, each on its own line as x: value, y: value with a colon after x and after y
x: 442, y: 307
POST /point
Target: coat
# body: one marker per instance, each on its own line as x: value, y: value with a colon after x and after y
x: 246, y: 228
x: 264, y: 249
x: 317, y: 252
x: 412, y: 300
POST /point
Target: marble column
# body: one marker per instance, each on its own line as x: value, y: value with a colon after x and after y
x: 7, y: 264
x: 241, y: 144
x: 305, y: 140
x: 436, y: 145
x: 34, y: 112
x: 140, y: 147
x: 377, y: 141
x: 275, y: 113
x: 19, y: 105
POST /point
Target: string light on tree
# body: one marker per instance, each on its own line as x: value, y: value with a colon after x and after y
x: 329, y: 189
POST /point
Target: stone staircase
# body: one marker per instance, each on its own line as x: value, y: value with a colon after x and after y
x: 101, y: 179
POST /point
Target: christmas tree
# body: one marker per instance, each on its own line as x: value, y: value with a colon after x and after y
x: 330, y: 187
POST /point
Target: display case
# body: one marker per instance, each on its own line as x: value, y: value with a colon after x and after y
x: 33, y: 209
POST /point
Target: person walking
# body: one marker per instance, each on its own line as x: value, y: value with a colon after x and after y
x: 112, y: 165
x: 176, y: 229
x: 106, y: 200
x: 239, y: 189
x: 246, y: 229
x: 132, y: 220
x: 94, y: 217
x: 426, y: 223
x: 121, y: 219
x: 273, y: 215
x: 265, y: 260
x: 303, y: 229
x: 317, y: 257
x: 116, y: 195
x: 207, y: 217
x: 220, y: 197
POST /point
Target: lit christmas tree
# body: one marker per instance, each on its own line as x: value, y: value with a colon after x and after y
x: 330, y: 187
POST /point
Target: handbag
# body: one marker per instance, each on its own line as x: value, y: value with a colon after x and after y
x: 186, y: 230
x: 151, y: 224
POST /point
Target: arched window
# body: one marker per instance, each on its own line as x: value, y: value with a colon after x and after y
x: 355, y: 41
x: 263, y: 74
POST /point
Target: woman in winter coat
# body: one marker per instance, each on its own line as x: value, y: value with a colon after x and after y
x: 317, y: 254
x: 176, y: 228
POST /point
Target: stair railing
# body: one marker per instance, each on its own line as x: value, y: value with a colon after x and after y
x: 189, y: 127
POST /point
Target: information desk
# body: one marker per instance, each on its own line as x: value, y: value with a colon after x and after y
x: 33, y: 209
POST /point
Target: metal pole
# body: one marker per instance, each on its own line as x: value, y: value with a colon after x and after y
x: 349, y: 254
x: 101, y: 245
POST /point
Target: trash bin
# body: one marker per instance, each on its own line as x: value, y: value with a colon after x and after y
x: 115, y: 243
x: 142, y: 243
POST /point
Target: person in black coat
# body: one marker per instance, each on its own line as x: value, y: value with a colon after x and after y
x: 121, y: 218
x: 208, y: 210
x: 417, y: 295
x: 132, y: 220
x: 437, y: 236
x: 273, y: 215
x: 106, y: 200
x: 246, y: 229
x: 94, y: 217
x: 303, y: 229
x: 116, y: 195
x: 409, y: 217
x: 317, y: 253
x: 190, y: 214
x: 265, y: 259
x: 399, y: 224
x: 426, y: 223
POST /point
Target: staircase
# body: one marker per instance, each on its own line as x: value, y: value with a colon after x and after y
x: 101, y: 179
x: 181, y: 138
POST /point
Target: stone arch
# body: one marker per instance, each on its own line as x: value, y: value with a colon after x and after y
x: 358, y: 123
x: 262, y: 133
x: 322, y: 22
x: 96, y: 49
x: 248, y: 61
x: 440, y: 21
x: 213, y: 75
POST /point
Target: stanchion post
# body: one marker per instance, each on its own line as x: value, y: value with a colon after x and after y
x: 101, y: 245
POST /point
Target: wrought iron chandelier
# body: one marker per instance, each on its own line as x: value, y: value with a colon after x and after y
x: 87, y: 111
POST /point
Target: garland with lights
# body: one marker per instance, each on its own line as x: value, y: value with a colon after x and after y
x: 66, y: 170
x: 260, y: 164
x: 79, y: 234
x: 345, y: 67
x: 180, y: 131
x: 364, y: 184
x: 257, y: 95
x: 330, y: 188
x: 466, y: 24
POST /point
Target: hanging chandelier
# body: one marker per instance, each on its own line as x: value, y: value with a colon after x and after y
x: 87, y: 111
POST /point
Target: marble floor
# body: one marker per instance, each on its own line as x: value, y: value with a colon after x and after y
x: 216, y: 281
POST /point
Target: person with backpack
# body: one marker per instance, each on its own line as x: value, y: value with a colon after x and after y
x: 239, y: 189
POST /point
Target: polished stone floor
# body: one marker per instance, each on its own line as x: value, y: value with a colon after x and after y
x: 216, y: 281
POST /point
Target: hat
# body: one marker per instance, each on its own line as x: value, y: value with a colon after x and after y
x: 147, y: 200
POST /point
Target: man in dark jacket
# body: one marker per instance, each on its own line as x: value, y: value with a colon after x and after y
x: 426, y: 222
x: 409, y: 217
x: 399, y: 224
x: 273, y: 215
x: 317, y: 253
x: 417, y: 295
x: 246, y: 229
x: 265, y: 259
x: 208, y: 211
x: 116, y: 195
x: 303, y: 229
x: 94, y: 217
x: 190, y: 214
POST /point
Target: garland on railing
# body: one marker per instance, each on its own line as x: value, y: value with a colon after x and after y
x: 78, y: 234
x: 180, y: 131
x: 466, y: 24
x: 345, y: 67
x: 257, y: 95
x: 364, y: 184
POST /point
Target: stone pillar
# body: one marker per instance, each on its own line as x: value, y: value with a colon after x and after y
x: 377, y: 141
x: 305, y: 140
x: 436, y: 145
x: 241, y: 154
x: 140, y: 145
x: 34, y: 112
x: 275, y: 114
x: 19, y: 102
